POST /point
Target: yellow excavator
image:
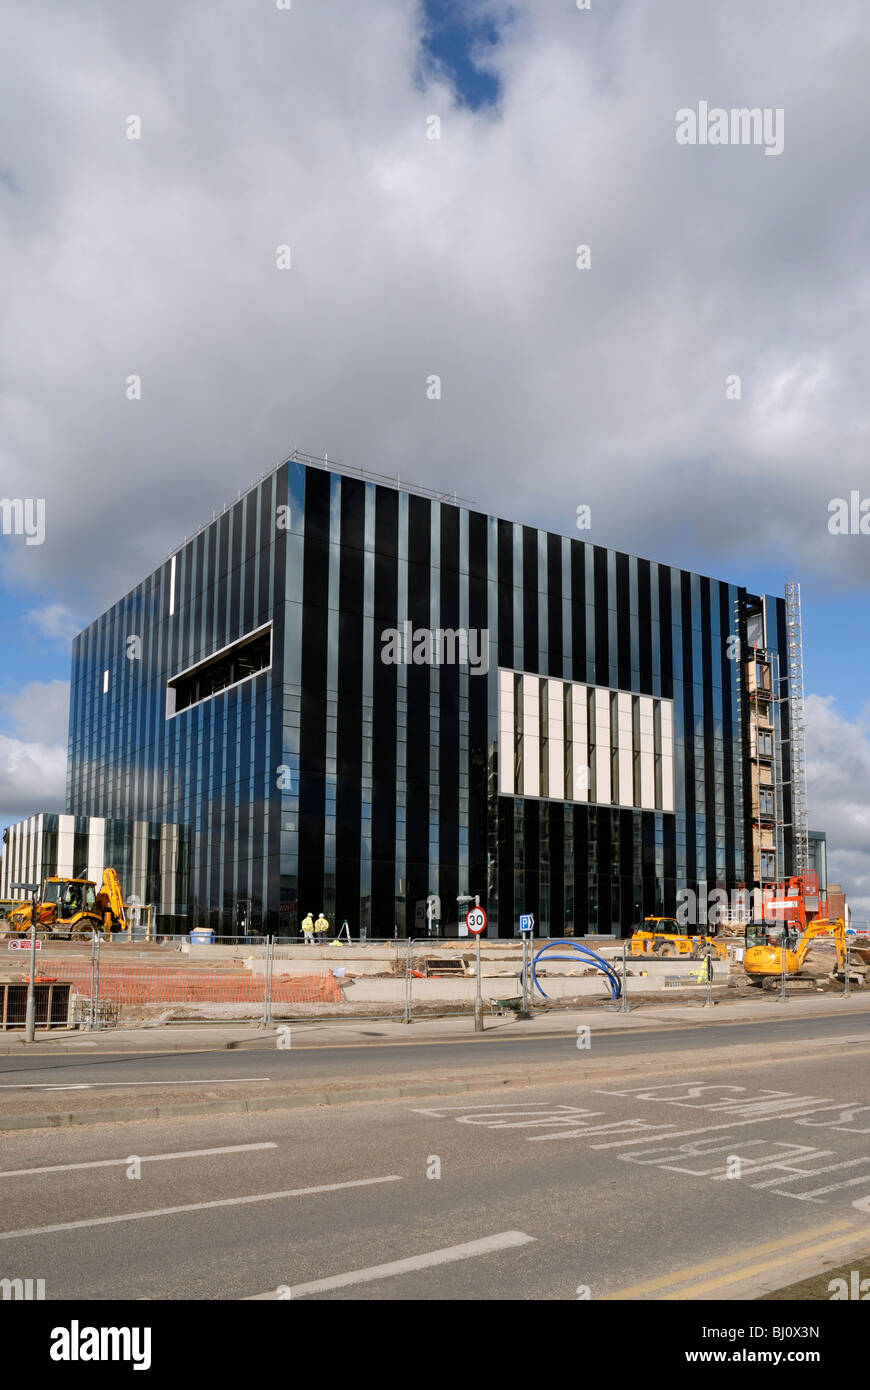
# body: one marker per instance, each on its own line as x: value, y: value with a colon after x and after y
x: 666, y: 937
x: 765, y: 963
x: 70, y: 907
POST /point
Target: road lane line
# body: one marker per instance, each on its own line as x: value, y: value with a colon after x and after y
x: 92, y: 1085
x: 195, y: 1206
x: 489, y: 1245
x: 678, y: 1276
x: 747, y: 1271
x: 143, y: 1158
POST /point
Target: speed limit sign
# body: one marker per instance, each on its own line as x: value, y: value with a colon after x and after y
x: 476, y: 920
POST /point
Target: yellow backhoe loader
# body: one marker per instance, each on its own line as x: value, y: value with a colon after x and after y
x: 71, y: 907
x: 665, y: 936
x: 765, y: 963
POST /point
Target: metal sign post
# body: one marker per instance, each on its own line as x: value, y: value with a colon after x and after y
x: 527, y: 927
x: 709, y: 1001
x: 30, y: 1009
x: 624, y: 1001
x: 476, y: 923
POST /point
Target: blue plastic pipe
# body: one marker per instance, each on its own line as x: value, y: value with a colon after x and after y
x: 587, y: 955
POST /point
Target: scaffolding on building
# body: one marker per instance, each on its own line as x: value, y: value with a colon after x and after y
x: 797, y: 729
x: 757, y: 675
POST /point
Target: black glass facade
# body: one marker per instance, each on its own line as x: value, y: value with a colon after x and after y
x: 358, y: 771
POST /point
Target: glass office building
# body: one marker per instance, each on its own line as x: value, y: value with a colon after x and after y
x: 354, y: 698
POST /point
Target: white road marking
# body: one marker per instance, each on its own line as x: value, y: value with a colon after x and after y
x: 680, y: 1133
x: 489, y: 1245
x: 143, y: 1158
x: 195, y: 1206
x: 91, y: 1085
x: 440, y: 1112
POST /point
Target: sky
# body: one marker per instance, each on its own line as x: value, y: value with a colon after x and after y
x: 700, y: 383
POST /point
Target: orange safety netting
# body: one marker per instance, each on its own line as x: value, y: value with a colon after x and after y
x: 147, y: 984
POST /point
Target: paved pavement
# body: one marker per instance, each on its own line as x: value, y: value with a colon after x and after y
x: 220, y: 1036
x: 703, y: 1185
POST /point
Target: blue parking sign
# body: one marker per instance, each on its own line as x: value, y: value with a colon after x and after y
x: 527, y: 922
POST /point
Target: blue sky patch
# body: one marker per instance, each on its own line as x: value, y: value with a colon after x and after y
x: 457, y: 42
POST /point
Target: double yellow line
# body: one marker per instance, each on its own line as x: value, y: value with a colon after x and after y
x: 781, y: 1252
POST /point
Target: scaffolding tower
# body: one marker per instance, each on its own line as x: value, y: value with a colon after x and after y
x: 798, y: 727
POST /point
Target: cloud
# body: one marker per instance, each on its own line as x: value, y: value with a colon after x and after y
x: 55, y: 621
x: 39, y: 712
x: 838, y: 775
x: 456, y: 257
x: 33, y: 754
x: 32, y: 778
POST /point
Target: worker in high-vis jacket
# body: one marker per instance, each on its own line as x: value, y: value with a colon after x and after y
x: 321, y: 925
x: 308, y: 929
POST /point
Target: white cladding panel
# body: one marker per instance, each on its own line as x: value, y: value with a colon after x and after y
x: 550, y: 723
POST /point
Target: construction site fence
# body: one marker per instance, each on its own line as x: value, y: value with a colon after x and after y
x: 95, y: 988
x: 103, y: 990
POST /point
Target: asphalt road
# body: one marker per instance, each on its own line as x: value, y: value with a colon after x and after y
x: 709, y: 1185
x: 306, y: 1059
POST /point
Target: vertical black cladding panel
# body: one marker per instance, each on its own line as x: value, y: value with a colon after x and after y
x: 669, y: 846
x: 666, y: 636
x: 505, y: 595
x: 384, y: 710
x: 247, y: 817
x: 478, y: 737
x: 419, y: 579
x: 554, y: 606
x: 193, y: 607
x: 274, y: 609
x: 348, y: 811
x: 448, y: 743
x: 709, y: 763
x: 246, y: 621
x: 506, y: 868
x: 532, y: 858
x: 628, y: 868
x: 214, y: 716
x: 648, y: 863
x: 644, y: 624
x: 622, y: 619
x: 578, y: 611
x: 531, y: 659
x: 312, y: 719
x: 603, y: 825
x: 269, y: 537
x: 557, y: 868
x: 223, y: 568
x: 581, y: 816
x: 258, y: 697
x: 689, y: 729
x: 602, y: 618
x: 727, y: 668
x: 237, y: 544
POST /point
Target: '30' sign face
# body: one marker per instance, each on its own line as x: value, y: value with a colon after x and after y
x: 476, y: 920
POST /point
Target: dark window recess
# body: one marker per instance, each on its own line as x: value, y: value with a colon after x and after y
x: 234, y: 664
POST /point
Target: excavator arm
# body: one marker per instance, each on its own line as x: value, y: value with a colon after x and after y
x: 836, y: 930
x: 111, y: 899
